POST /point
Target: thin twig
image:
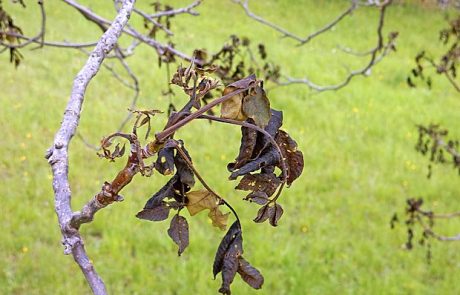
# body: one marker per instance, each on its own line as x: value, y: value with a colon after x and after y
x: 288, y: 34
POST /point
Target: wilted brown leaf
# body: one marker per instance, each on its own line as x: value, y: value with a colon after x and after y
x: 183, y: 170
x: 218, y: 218
x: 293, y: 157
x: 257, y: 197
x: 230, y: 263
x: 257, y: 106
x: 274, y: 214
x: 156, y: 213
x: 204, y: 199
x: 248, y: 143
x: 178, y: 231
x: 262, y: 214
x: 250, y: 274
x: 200, y: 200
x: 232, y: 107
x: 264, y: 182
x: 233, y: 231
x: 165, y: 161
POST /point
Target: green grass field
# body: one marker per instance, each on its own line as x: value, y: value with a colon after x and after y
x: 358, y: 144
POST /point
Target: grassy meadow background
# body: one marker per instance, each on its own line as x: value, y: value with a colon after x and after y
x: 358, y: 144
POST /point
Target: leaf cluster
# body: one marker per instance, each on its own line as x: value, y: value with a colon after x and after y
x: 268, y: 160
x: 8, y: 30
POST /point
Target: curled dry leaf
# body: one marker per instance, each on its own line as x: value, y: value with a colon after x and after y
x: 232, y: 107
x: 274, y: 214
x: 233, y: 231
x: 203, y: 199
x: 248, y: 144
x: 263, y: 182
x: 218, y: 218
x: 256, y: 150
x: 229, y: 261
x: 257, y: 197
x: 269, y: 158
x: 165, y: 161
x: 183, y: 170
x: 257, y: 107
x: 250, y: 274
x: 179, y: 233
x: 157, y: 213
x: 292, y: 156
x: 262, y: 214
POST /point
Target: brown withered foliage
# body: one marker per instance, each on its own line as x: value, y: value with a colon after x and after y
x: 433, y: 141
x: 268, y: 160
x: 445, y: 65
x: 8, y: 30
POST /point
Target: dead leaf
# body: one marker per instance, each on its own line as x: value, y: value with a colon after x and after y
x: 179, y: 233
x: 250, y: 274
x: 292, y: 156
x: 264, y: 182
x: 157, y: 213
x: 248, y: 143
x: 165, y: 161
x: 218, y: 218
x: 204, y: 199
x: 274, y: 214
x: 262, y: 214
x: 233, y: 231
x: 257, y: 197
x: 200, y: 200
x: 232, y: 107
x: 257, y: 106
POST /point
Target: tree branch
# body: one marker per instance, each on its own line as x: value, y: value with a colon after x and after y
x: 58, y: 156
x: 286, y: 33
x: 377, y: 54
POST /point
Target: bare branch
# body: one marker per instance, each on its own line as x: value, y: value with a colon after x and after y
x: 286, y: 33
x: 376, y: 55
x: 187, y: 10
x: 57, y: 155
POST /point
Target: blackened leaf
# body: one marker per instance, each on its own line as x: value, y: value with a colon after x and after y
x: 178, y: 231
x: 167, y: 191
x: 274, y: 214
x: 258, y: 197
x: 267, y: 183
x: 248, y: 143
x: 257, y: 106
x: 230, y: 263
x: 292, y: 156
x: 227, y: 240
x: 276, y: 121
x: 250, y: 274
x: 157, y: 213
x: 165, y: 161
x: 268, y: 158
x: 185, y: 173
x: 262, y: 214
